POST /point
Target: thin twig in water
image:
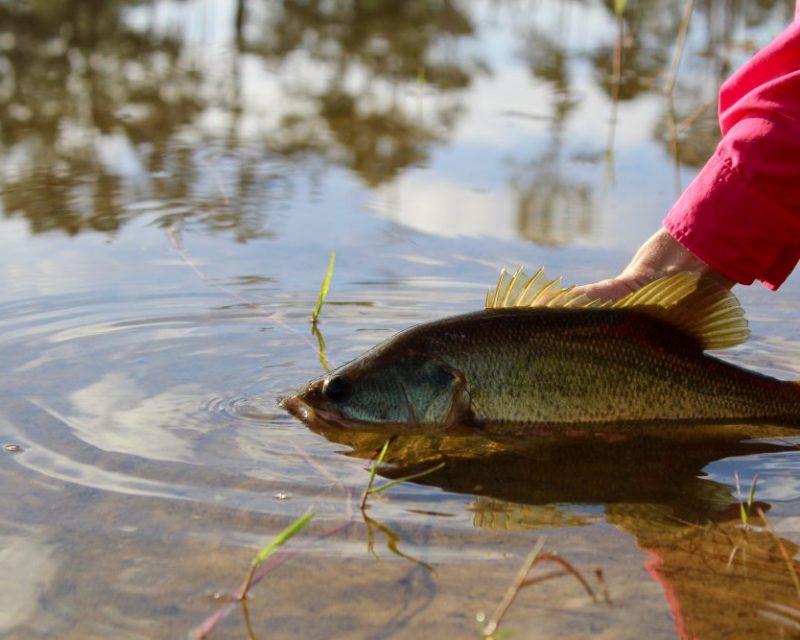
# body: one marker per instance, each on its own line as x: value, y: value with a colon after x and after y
x: 247, y: 625
x: 616, y: 81
x: 178, y: 248
x: 603, y: 586
x: 202, y: 631
x: 674, y: 146
x: 521, y: 581
x: 491, y: 627
x: 569, y: 569
x: 669, y: 83
x: 784, y: 553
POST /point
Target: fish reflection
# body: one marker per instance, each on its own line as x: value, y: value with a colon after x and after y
x: 719, y: 578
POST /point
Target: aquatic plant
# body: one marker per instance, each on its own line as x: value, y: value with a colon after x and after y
x: 277, y: 542
x: 323, y: 289
x: 369, y: 490
x: 745, y: 508
x: 209, y: 624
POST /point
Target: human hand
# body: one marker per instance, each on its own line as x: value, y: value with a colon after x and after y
x: 661, y: 255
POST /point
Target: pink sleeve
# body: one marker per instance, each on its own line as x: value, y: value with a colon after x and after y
x: 741, y: 214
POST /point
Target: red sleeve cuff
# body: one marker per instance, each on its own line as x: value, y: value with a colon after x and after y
x: 735, y: 228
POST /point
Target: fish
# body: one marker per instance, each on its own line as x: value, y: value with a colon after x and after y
x: 542, y: 359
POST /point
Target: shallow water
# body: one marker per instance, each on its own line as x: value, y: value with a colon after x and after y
x: 173, y: 178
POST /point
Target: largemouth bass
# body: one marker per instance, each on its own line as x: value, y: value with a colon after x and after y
x: 540, y: 359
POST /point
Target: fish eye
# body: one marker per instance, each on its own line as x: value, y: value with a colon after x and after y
x: 336, y: 388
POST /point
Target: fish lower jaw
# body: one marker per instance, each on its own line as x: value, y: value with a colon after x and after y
x: 311, y: 416
x: 299, y: 409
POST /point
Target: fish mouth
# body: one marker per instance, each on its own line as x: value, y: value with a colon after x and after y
x: 299, y: 409
x: 319, y: 418
x: 310, y: 415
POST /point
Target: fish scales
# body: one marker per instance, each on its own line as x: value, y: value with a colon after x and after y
x: 568, y: 366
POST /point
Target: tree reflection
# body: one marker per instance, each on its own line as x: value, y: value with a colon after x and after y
x: 552, y: 206
x: 104, y: 107
x: 98, y: 110
x: 82, y: 87
x: 373, y: 58
x: 688, y: 127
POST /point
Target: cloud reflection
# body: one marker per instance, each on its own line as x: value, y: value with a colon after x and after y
x: 116, y: 413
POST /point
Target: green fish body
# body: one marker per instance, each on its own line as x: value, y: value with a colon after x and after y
x: 539, y: 360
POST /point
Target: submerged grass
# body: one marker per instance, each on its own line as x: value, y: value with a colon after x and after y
x: 372, y: 470
x: 323, y: 359
x: 392, y: 542
x: 369, y: 490
x: 745, y: 508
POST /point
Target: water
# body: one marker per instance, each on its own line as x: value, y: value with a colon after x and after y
x: 174, y: 176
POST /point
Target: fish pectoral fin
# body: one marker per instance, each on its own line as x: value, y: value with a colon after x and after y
x: 460, y: 402
x: 701, y: 307
x: 413, y: 420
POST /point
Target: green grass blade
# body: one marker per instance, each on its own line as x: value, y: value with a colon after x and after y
x: 323, y: 290
x: 413, y: 476
x: 282, y: 537
x: 377, y: 463
x: 372, y: 471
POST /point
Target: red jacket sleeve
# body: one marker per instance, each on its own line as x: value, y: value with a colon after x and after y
x: 741, y: 214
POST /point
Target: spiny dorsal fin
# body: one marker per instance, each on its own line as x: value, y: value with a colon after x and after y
x: 520, y: 291
x: 701, y: 307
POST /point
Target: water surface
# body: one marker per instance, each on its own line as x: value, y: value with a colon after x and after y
x: 174, y: 177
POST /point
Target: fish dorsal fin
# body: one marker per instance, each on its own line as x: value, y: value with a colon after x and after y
x: 521, y: 291
x: 699, y: 306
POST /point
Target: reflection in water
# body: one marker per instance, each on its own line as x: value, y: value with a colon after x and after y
x: 689, y: 526
x: 354, y: 110
x: 98, y: 110
x: 149, y: 474
x: 33, y: 563
x: 82, y: 87
x: 552, y: 206
x: 93, y: 109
